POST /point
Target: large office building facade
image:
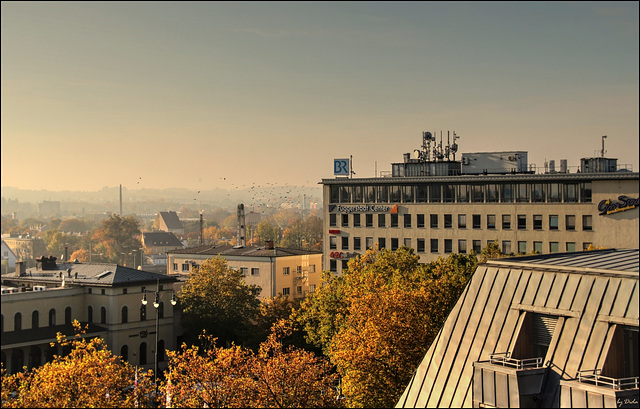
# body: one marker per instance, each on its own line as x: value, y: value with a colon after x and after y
x: 439, y: 207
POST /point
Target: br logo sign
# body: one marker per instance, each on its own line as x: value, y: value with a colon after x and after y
x: 341, y: 167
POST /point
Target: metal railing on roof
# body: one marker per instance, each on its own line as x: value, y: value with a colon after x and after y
x: 592, y: 376
x: 504, y: 359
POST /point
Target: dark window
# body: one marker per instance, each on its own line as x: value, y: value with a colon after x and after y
x: 255, y: 271
x: 345, y: 220
x: 394, y: 194
x: 381, y: 220
x: 570, y: 222
x: 407, y: 194
x: 587, y: 222
x: 356, y: 243
x: 448, y: 245
x: 462, y: 246
x: 477, y: 193
x: 333, y: 242
x: 345, y: 243
x: 394, y: 220
x: 334, y: 193
x: 421, y: 193
x: 522, y: 193
x: 125, y: 315
x: 89, y: 314
x: 124, y: 353
x: 103, y: 315
x: 124, y: 291
x: 537, y: 192
x: 477, y: 221
x: 522, y: 222
x: 537, y: 222
x: 383, y: 194
x: 332, y: 219
x: 143, y: 353
x: 17, y: 322
x: 369, y: 194
x: 448, y: 193
x: 345, y: 194
x: 506, y: 193
x: 477, y: 246
x: 345, y: 265
x: 555, y: 193
x: 506, y: 221
x: 420, y: 220
x: 535, y: 336
x: 434, y: 221
x: 435, y: 193
x: 382, y: 243
x: 448, y: 221
x: 394, y: 244
x: 369, y: 220
x: 492, y: 192
x: 356, y: 220
x: 35, y: 319
x: 462, y: 221
x: 102, y: 291
x: 67, y: 315
x: 585, y: 192
x: 571, y: 192
x: 420, y: 246
x: 52, y: 317
x: 333, y: 266
x: 407, y: 220
x: 434, y: 245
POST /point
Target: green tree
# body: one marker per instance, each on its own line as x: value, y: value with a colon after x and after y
x: 73, y: 226
x: 217, y: 299
x: 268, y: 231
x: 116, y: 236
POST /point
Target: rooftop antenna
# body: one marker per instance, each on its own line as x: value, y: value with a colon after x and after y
x: 603, y: 138
x: 351, y: 172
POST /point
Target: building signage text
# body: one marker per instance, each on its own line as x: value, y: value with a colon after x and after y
x: 359, y: 208
x: 625, y: 203
x: 343, y: 254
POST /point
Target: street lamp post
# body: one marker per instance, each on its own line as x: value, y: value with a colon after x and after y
x: 156, y: 305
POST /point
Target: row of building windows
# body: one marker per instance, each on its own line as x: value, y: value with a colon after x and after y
x: 447, y: 221
x: 35, y: 355
x: 299, y: 292
x: 562, y: 192
x: 35, y: 316
x: 476, y: 245
x: 286, y: 270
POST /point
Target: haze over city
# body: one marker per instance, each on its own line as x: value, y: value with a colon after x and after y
x: 219, y: 95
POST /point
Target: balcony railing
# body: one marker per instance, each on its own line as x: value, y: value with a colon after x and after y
x: 504, y: 359
x: 592, y: 376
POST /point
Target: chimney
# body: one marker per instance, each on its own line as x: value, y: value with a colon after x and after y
x: 20, y: 268
x: 268, y: 245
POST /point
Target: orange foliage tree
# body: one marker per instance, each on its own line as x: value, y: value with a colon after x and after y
x: 376, y: 321
x: 89, y: 376
x: 275, y: 376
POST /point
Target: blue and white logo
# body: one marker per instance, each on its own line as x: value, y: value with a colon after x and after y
x: 341, y: 167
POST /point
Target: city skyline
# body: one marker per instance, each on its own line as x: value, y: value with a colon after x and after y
x: 220, y: 95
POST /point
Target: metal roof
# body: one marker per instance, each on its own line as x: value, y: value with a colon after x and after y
x: 245, y: 251
x: 590, y: 291
x: 97, y: 274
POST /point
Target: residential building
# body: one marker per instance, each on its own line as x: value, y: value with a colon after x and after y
x: 439, y: 207
x: 26, y: 248
x: 158, y: 243
x: 170, y: 222
x: 39, y: 302
x: 276, y: 270
x: 8, y: 258
x: 553, y: 330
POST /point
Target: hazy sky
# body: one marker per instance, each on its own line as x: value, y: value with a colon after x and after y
x: 160, y: 94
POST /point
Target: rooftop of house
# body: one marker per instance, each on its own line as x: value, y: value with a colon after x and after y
x: 247, y: 251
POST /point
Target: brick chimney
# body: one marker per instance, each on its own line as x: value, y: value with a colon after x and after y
x: 268, y: 245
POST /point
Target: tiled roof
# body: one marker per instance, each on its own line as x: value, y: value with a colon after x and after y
x: 160, y: 238
x: 171, y: 220
x: 98, y: 274
x: 247, y: 251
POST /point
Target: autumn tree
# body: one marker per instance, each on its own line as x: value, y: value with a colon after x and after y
x: 268, y: 231
x: 89, y: 376
x: 117, y: 235
x: 376, y: 321
x: 217, y: 299
x: 275, y: 376
x: 73, y: 225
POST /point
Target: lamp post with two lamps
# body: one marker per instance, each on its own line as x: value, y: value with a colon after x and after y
x: 156, y: 304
